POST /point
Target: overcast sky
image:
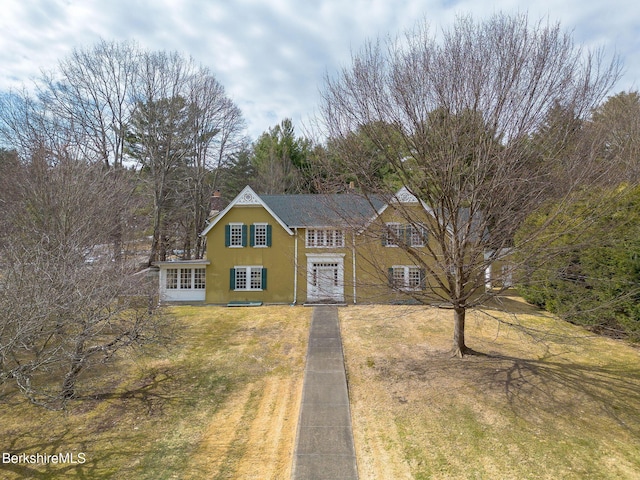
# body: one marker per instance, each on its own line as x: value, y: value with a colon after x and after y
x: 272, y: 55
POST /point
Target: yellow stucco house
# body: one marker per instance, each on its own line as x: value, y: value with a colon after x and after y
x: 297, y: 249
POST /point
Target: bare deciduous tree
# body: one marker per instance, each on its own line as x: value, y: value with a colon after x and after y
x: 92, y: 90
x: 183, y: 127
x: 453, y: 115
x: 64, y: 304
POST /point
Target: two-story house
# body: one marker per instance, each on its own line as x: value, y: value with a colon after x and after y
x: 317, y: 248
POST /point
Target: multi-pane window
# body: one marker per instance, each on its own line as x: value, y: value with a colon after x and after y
x: 256, y: 279
x: 409, y: 235
x: 330, y: 270
x: 416, y: 234
x: 236, y: 235
x: 172, y: 278
x: 199, y: 278
x: 393, y: 234
x: 414, y: 277
x: 406, y: 277
x: 239, y: 235
x: 248, y: 278
x: 241, y: 279
x: 325, y: 238
x: 397, y: 274
x: 185, y: 278
x: 260, y: 235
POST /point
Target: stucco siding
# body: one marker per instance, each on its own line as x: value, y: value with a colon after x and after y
x: 278, y: 259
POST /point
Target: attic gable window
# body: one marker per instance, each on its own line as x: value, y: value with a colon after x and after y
x: 325, y: 238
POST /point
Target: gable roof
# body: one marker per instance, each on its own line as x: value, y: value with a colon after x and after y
x: 250, y: 198
x: 318, y: 210
x: 323, y: 210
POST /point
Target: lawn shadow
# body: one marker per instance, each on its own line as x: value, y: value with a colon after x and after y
x: 551, y: 385
x: 109, y: 437
x: 83, y: 462
x: 568, y: 387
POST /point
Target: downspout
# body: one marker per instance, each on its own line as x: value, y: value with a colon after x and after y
x: 295, y: 268
x: 353, y: 259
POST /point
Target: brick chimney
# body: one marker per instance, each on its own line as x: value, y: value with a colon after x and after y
x: 217, y: 203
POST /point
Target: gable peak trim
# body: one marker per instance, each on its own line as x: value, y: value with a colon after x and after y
x: 247, y: 197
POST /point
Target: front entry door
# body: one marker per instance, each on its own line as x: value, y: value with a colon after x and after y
x: 325, y: 281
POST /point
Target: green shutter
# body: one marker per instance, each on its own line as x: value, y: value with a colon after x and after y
x: 227, y: 235
x: 252, y: 235
x: 268, y: 235
x: 390, y: 277
x: 232, y: 279
x: 384, y: 236
x: 264, y: 278
x: 423, y: 279
x: 244, y: 235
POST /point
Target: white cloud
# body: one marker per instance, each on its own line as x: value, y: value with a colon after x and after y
x: 271, y: 55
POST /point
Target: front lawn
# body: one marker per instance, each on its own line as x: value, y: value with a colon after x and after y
x: 220, y: 402
x: 559, y: 404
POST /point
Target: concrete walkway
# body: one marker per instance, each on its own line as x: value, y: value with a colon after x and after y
x: 324, y: 446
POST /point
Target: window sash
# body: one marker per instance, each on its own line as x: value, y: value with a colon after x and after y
x: 417, y: 235
x: 235, y: 235
x: 248, y: 278
x: 259, y: 235
x: 325, y: 238
x: 185, y: 279
x: 407, y: 277
x: 199, y: 276
x: 172, y: 278
x: 393, y: 234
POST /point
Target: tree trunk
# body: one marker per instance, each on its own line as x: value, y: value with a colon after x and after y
x: 459, y: 348
x: 70, y: 379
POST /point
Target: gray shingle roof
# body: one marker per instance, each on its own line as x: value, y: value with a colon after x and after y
x: 322, y: 210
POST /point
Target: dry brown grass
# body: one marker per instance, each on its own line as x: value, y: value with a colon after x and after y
x: 545, y: 401
x: 221, y: 402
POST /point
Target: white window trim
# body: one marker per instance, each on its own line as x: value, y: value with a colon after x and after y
x: 175, y: 280
x: 332, y: 231
x: 406, y: 269
x: 247, y: 269
x: 389, y: 236
x: 421, y: 232
x: 231, y: 225
x: 179, y: 276
x: 260, y: 224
